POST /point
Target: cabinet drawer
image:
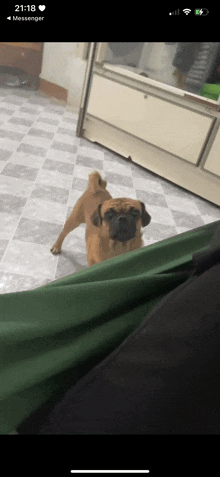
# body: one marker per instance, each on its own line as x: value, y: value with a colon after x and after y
x: 212, y: 163
x: 28, y: 60
x: 171, y: 127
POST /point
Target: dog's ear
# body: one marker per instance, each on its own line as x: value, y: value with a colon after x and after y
x: 96, y: 218
x: 145, y: 217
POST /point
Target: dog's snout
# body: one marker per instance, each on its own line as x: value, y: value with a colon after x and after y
x: 122, y: 219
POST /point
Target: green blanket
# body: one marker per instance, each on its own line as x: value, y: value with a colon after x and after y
x: 55, y: 334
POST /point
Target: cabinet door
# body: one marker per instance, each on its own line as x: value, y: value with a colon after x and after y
x: 175, y: 129
x: 212, y: 163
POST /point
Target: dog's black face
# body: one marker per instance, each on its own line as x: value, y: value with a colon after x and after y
x: 121, y: 219
x: 122, y: 225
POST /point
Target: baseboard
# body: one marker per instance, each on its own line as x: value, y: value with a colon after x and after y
x: 53, y: 90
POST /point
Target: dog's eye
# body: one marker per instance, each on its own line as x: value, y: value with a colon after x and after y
x: 109, y: 215
x: 135, y: 213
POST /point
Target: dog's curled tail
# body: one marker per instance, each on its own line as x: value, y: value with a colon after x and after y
x: 96, y: 182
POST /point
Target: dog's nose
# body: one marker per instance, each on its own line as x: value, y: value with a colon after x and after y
x: 122, y: 218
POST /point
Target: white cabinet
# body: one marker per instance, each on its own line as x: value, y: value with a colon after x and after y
x: 212, y: 163
x: 168, y: 131
x: 173, y: 128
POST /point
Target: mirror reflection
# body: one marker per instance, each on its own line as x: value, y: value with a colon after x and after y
x: 189, y: 66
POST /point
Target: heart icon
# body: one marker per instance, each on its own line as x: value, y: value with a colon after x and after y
x: 41, y: 7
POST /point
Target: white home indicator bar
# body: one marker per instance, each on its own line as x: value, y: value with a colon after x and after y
x: 110, y: 471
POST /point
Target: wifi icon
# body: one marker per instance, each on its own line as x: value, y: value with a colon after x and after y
x: 187, y: 11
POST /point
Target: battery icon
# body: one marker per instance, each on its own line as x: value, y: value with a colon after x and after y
x: 201, y: 12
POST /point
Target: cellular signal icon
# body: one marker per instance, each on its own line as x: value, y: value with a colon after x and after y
x: 176, y: 12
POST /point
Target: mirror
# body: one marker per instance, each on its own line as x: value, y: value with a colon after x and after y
x: 190, y: 66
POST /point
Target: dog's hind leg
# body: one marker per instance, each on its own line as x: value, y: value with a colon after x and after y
x: 74, y: 220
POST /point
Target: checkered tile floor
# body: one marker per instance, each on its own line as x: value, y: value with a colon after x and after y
x: 44, y: 170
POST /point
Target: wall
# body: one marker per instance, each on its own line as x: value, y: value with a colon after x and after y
x: 62, y: 67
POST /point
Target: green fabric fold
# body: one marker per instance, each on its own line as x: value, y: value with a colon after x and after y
x: 53, y: 335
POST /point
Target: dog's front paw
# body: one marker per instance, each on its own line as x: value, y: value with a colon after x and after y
x: 55, y: 250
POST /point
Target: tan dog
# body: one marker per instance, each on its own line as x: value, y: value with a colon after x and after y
x: 113, y: 226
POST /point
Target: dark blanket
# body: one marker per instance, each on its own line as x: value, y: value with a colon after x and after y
x: 147, y: 323
x: 165, y: 377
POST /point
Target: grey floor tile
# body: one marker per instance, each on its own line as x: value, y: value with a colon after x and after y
x: 54, y: 122
x: 11, y: 135
x: 152, y: 198
x: 47, y: 192
x: 62, y: 146
x: 22, y: 258
x: 6, y: 111
x: 183, y: 219
x: 19, y: 171
x: 86, y: 160
x: 14, y: 282
x: 40, y: 133
x: 37, y: 231
x: 26, y: 109
x: 38, y: 151
x: 79, y: 184
x: 44, y: 210
x: 70, y: 262
x: 65, y: 131
x: 58, y: 166
x: 12, y: 204
x: 25, y: 122
x: 3, y: 246
x: 4, y: 154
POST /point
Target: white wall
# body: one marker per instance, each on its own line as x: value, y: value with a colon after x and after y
x: 62, y: 67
